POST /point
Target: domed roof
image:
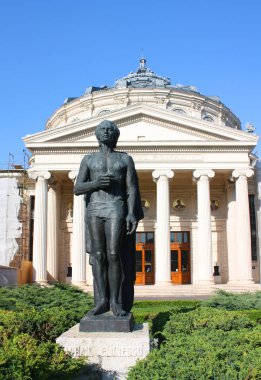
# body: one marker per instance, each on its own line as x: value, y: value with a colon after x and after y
x: 143, y: 77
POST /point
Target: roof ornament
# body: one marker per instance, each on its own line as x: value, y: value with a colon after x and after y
x: 143, y: 77
x: 249, y: 128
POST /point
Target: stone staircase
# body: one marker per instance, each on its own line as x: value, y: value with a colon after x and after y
x: 185, y: 291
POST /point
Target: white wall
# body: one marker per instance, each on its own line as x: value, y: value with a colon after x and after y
x: 10, y: 227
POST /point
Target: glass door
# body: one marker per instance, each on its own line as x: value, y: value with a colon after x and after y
x: 144, y: 258
x: 180, y: 257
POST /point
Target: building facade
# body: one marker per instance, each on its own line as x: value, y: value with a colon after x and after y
x: 196, y: 174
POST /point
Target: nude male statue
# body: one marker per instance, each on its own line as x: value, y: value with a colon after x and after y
x: 109, y: 181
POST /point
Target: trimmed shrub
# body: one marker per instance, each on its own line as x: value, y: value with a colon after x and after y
x: 23, y: 358
x: 204, y: 344
x: 31, y: 318
x: 232, y: 301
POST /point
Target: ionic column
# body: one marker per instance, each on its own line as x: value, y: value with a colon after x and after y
x: 231, y: 233
x: 78, y: 238
x: 244, y: 261
x: 204, y: 226
x: 52, y: 231
x: 40, y: 227
x: 162, y: 257
x: 258, y: 184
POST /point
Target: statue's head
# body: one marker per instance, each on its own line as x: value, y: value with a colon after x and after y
x: 107, y: 133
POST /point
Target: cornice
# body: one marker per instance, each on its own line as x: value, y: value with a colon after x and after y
x: 150, y: 149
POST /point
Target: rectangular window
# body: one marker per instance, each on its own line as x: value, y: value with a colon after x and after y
x: 138, y: 261
x: 174, y: 261
x: 150, y: 237
x: 252, y: 212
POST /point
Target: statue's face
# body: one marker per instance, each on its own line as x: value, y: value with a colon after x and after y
x: 106, y: 133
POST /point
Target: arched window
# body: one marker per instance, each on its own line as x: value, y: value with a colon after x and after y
x: 103, y: 112
x: 208, y: 118
x: 179, y: 110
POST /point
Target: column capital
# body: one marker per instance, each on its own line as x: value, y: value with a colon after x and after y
x: 73, y: 174
x: 37, y: 174
x: 162, y: 172
x: 243, y: 173
x: 197, y: 174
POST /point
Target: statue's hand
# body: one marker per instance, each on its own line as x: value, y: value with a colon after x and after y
x: 131, y: 224
x: 103, y: 181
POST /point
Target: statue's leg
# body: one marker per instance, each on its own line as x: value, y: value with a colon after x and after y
x: 97, y: 235
x: 114, y: 229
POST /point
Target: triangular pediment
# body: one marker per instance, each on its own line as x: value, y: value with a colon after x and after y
x: 139, y: 124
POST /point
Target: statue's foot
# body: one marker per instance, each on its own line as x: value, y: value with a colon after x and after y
x: 117, y: 310
x: 101, y: 308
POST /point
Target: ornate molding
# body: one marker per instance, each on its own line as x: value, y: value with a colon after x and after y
x: 156, y: 174
x: 144, y: 149
x: 37, y: 174
x: 73, y: 174
x: 197, y: 174
x: 243, y: 173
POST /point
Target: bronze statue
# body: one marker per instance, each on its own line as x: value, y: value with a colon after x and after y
x: 113, y: 208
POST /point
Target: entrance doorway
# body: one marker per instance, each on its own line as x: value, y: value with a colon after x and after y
x: 144, y: 258
x: 180, y: 257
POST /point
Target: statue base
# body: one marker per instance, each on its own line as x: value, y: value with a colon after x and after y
x: 106, y: 322
x: 113, y: 352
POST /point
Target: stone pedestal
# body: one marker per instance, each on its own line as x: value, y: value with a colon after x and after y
x: 112, y: 351
x: 106, y: 322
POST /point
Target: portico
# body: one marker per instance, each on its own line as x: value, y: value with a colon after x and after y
x: 195, y: 176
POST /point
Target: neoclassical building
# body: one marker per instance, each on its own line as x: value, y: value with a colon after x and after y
x: 196, y: 175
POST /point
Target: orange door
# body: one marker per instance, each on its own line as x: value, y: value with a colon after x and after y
x: 180, y: 257
x: 144, y: 258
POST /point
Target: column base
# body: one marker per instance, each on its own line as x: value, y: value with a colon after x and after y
x: 209, y: 282
x: 163, y: 283
x: 41, y: 282
x: 78, y: 283
x: 241, y: 282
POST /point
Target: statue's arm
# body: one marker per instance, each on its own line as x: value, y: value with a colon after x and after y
x: 131, y: 184
x: 84, y: 184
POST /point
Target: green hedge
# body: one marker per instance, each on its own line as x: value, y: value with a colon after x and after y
x: 232, y: 301
x: 31, y: 318
x: 24, y: 358
x: 204, y: 343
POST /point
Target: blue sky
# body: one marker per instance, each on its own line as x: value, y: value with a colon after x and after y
x: 54, y: 49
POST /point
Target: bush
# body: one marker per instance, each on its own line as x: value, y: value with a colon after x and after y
x: 43, y: 313
x: 31, y: 318
x: 204, y: 344
x: 232, y: 301
x: 23, y: 358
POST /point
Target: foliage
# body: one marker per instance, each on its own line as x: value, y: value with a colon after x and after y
x: 43, y: 313
x: 205, y: 343
x: 157, y: 313
x: 23, y: 358
x: 31, y: 318
x: 232, y: 301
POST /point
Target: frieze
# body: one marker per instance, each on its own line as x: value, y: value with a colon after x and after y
x: 190, y: 149
x: 168, y: 157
